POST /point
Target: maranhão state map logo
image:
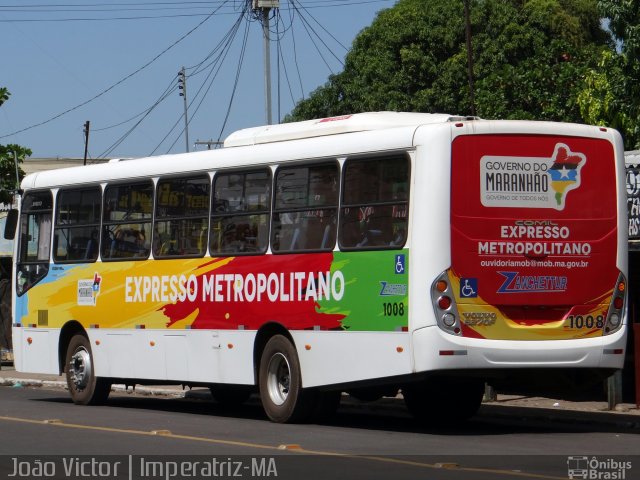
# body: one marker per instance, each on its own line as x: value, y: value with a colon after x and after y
x: 530, y: 182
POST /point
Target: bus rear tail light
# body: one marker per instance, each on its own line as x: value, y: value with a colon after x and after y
x: 444, y: 302
x: 616, y: 312
x: 444, y: 305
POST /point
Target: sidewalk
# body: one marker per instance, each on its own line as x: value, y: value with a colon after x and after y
x: 625, y: 415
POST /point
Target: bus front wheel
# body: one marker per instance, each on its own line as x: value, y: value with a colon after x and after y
x: 283, y: 398
x: 85, y: 388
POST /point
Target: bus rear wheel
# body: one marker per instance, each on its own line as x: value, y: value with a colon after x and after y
x: 444, y: 400
x: 85, y: 388
x: 283, y: 398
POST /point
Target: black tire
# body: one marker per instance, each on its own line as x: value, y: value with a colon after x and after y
x: 444, y: 400
x: 85, y: 388
x: 231, y: 395
x: 280, y: 380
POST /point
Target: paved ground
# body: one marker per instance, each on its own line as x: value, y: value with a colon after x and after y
x: 624, y: 415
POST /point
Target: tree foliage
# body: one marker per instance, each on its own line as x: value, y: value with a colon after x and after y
x: 8, y: 153
x: 533, y: 59
x: 612, y: 90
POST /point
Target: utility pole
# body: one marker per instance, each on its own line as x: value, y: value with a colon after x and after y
x: 86, y: 140
x: 266, y: 6
x: 182, y: 86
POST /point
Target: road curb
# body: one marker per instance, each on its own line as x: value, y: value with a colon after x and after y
x: 573, y: 417
x: 62, y: 385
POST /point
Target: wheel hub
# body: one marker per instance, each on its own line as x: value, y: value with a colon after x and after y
x: 80, y: 368
x: 279, y: 379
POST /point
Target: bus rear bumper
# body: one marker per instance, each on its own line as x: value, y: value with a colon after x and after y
x: 436, y: 350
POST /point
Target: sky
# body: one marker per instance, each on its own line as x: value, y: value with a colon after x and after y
x: 116, y: 63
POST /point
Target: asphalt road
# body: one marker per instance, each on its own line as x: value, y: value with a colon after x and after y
x: 144, y: 437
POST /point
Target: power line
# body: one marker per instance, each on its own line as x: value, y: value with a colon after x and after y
x: 308, y: 27
x: 165, y: 94
x: 212, y: 63
x: 295, y: 54
x: 18, y: 9
x: 224, y: 46
x: 115, y: 84
x: 235, y: 85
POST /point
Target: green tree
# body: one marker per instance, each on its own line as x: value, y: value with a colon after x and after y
x: 7, y: 162
x: 530, y: 57
x: 611, y: 94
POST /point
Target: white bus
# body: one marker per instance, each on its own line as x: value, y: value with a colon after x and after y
x: 367, y: 253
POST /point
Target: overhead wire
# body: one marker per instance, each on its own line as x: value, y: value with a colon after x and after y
x: 307, y: 26
x: 215, y: 64
x: 109, y: 127
x: 199, y: 68
x: 286, y: 74
x: 165, y: 94
x: 95, y: 97
x: 225, y: 44
x: 295, y: 54
x: 212, y: 62
x: 19, y: 9
x: 297, y: 2
x: 235, y: 85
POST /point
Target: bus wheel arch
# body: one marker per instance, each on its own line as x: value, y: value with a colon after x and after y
x: 67, y: 332
x: 263, y: 336
x: 78, y: 366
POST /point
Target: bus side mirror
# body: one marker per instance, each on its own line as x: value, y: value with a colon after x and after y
x: 11, y: 224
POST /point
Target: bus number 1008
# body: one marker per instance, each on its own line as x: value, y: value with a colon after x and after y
x: 580, y: 321
x: 393, y: 309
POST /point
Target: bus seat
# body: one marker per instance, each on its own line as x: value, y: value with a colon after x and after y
x: 325, y: 236
x: 91, y: 249
x: 294, y: 239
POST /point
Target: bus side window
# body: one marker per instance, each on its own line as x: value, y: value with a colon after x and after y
x: 126, y: 221
x: 182, y: 216
x: 77, y: 222
x: 374, y: 210
x: 240, y: 213
x: 305, y: 208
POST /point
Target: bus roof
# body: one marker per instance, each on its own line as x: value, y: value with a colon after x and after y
x: 311, y: 139
x: 321, y: 132
x: 358, y: 122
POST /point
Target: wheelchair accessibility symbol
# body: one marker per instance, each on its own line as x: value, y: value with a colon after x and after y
x: 399, y: 264
x: 468, y: 287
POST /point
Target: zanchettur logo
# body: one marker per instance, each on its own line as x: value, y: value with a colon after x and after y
x: 516, y: 283
x: 597, y: 468
x: 530, y: 182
